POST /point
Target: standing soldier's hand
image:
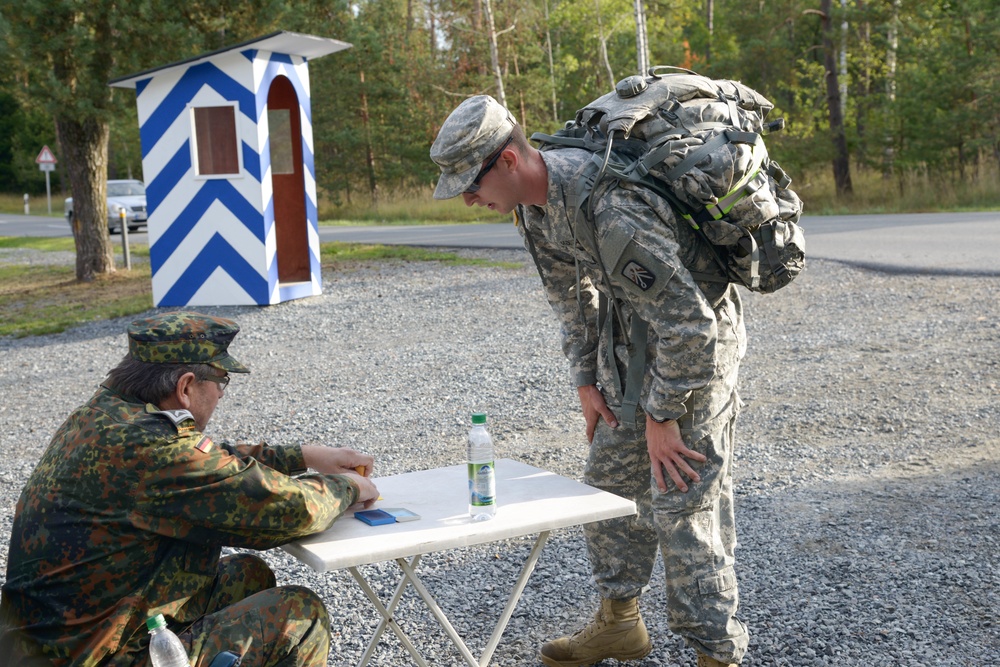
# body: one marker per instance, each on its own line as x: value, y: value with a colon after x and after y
x: 667, y: 451
x: 594, y: 408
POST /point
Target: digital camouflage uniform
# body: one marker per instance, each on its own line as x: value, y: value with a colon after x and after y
x: 125, y: 516
x: 696, y: 340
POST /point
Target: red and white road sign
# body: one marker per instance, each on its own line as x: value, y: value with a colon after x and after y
x: 46, y: 156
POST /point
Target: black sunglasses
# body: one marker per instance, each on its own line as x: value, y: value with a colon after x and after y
x: 486, y: 168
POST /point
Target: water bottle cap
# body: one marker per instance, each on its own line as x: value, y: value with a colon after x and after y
x: 155, y: 622
x: 478, y: 417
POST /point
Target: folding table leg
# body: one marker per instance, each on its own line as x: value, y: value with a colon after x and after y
x: 515, y: 595
x: 387, y: 617
x: 410, y: 577
x: 438, y: 612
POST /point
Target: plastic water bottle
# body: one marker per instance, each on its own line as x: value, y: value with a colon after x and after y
x: 165, y: 649
x: 482, y: 475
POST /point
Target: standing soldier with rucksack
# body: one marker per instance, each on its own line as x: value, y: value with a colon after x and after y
x: 654, y: 337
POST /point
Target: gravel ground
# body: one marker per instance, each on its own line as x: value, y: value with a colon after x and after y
x: 866, y: 477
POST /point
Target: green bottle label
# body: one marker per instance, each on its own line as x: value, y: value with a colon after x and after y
x: 482, y: 484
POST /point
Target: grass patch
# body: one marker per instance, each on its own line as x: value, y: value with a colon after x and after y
x: 910, y: 192
x: 37, y: 299
x: 38, y: 204
x: 66, y: 244
x: 48, y: 243
x: 336, y: 253
x: 405, y: 208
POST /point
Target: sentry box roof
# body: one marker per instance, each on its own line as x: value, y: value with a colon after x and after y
x: 309, y: 47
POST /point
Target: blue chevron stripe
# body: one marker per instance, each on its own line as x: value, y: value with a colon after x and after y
x: 216, y: 254
x: 308, y: 159
x: 315, y: 267
x: 312, y: 214
x: 251, y: 161
x: 269, y: 215
x: 272, y: 271
x: 265, y: 155
x: 168, y: 178
x: 141, y: 86
x: 212, y: 191
x: 184, y: 91
x: 272, y: 71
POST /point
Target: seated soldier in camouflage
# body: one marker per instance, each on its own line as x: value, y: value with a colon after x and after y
x: 126, y: 514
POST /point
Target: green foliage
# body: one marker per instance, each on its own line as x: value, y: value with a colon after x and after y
x: 23, y: 132
x: 377, y: 107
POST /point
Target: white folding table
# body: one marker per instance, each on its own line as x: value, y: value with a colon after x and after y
x: 531, y: 501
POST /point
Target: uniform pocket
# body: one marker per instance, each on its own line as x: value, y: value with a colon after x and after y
x: 717, y: 582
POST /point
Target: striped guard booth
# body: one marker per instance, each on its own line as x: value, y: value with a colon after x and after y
x: 227, y: 156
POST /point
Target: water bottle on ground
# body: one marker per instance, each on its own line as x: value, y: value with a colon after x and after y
x: 165, y: 649
x: 482, y: 475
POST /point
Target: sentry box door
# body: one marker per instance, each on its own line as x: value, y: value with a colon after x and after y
x: 285, y: 130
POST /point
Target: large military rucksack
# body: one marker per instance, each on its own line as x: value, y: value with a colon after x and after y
x: 698, y: 142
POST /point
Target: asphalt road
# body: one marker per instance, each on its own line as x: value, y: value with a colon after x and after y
x: 947, y: 243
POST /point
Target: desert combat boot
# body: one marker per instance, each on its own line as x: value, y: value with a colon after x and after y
x: 617, y: 631
x: 709, y: 661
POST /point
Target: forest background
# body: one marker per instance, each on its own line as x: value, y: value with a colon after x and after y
x: 885, y: 99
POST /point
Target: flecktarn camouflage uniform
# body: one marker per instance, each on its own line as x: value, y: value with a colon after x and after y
x: 695, y: 343
x: 125, y: 516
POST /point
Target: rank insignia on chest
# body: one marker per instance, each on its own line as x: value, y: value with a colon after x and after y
x: 204, y: 445
x: 639, y: 275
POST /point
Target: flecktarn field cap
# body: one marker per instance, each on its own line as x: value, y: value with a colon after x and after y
x: 184, y: 337
x: 476, y: 128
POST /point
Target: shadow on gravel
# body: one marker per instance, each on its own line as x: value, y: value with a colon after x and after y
x: 895, y: 270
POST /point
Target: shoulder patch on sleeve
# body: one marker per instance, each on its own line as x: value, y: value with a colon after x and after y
x: 204, y: 445
x: 639, y: 274
x: 640, y: 270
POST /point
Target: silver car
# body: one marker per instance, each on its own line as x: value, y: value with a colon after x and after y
x: 129, y: 196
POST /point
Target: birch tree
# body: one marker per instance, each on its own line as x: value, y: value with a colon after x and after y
x: 641, y: 37
x: 892, y: 44
x: 491, y: 32
x: 841, y: 158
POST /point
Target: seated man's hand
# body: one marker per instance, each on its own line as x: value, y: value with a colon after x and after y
x: 336, y: 460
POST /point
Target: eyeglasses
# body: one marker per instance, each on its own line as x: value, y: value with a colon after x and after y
x: 486, y: 168
x: 222, y: 380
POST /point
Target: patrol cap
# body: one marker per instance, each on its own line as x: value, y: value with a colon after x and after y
x: 474, y: 130
x: 184, y: 337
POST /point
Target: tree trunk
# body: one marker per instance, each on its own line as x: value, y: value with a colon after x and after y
x: 863, y: 90
x: 85, y: 150
x: 552, y: 67
x: 494, y: 52
x: 369, y: 150
x: 710, y: 25
x: 641, y: 38
x: 889, y: 154
x: 432, y: 31
x: 604, y: 46
x: 843, y: 60
x: 841, y: 159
